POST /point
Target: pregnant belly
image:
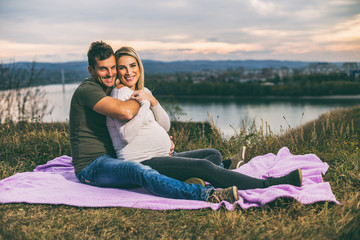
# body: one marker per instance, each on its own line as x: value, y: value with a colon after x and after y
x: 151, y: 141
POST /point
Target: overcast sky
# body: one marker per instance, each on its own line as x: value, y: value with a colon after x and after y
x: 62, y: 30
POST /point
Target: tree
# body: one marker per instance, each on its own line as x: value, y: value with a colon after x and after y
x: 20, y: 100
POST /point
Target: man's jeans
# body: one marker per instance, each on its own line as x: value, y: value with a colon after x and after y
x: 106, y: 171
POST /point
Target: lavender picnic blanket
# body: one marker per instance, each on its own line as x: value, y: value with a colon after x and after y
x: 56, y: 183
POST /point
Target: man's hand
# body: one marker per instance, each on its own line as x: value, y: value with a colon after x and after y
x: 172, y: 148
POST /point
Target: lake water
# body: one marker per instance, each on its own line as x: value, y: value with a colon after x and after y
x: 227, y: 114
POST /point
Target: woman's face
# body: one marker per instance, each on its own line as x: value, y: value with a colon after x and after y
x: 128, y: 71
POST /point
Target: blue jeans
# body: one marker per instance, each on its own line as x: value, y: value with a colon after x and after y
x: 106, y: 171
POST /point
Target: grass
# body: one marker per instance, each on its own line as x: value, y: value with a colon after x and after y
x: 334, y: 137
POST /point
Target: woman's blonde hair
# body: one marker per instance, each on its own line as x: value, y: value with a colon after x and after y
x: 129, y: 51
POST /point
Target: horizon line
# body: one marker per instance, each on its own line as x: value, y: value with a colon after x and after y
x: 197, y: 60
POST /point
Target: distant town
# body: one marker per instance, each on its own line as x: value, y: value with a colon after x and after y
x: 315, y: 79
x: 243, y: 75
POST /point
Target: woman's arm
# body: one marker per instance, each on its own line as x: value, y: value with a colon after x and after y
x: 159, y: 113
x: 161, y: 116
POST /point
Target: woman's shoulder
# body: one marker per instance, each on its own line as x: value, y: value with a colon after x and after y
x: 147, y: 90
x: 125, y: 89
x: 122, y: 91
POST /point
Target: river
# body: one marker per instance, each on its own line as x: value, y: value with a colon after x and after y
x: 229, y: 115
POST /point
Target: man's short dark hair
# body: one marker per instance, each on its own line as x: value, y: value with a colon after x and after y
x: 101, y: 50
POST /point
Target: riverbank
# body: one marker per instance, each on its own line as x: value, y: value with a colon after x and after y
x: 334, y: 137
x: 229, y: 113
x: 264, y: 97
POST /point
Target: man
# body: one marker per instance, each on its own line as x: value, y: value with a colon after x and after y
x: 93, y: 155
x: 89, y: 137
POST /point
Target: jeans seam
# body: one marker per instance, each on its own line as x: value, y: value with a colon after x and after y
x: 204, y: 192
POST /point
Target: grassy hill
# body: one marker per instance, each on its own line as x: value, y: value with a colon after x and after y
x: 334, y: 137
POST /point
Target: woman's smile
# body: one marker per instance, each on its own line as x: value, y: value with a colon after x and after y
x: 130, y: 78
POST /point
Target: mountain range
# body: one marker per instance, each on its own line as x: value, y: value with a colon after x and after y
x: 77, y: 71
x: 152, y: 66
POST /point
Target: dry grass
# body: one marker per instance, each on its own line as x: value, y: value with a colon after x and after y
x: 334, y: 138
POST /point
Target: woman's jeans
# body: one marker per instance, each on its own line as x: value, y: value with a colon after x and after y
x: 204, y: 164
x: 106, y: 171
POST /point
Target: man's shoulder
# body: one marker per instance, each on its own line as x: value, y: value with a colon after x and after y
x: 88, y: 85
x: 88, y: 82
x: 88, y: 93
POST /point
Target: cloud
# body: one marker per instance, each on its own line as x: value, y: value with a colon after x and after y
x: 263, y: 7
x: 342, y: 37
x: 347, y: 31
x: 205, y: 29
x: 41, y: 52
x: 196, y: 47
x: 176, y: 37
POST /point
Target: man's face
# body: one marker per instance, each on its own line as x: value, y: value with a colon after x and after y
x: 104, y: 71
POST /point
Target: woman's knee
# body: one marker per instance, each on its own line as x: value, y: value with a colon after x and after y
x: 214, y: 151
x: 203, y: 164
x: 214, y: 156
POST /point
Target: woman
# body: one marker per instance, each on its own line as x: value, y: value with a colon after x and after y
x: 151, y: 122
x: 144, y: 139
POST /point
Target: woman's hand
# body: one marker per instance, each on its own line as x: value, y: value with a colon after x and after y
x: 172, y: 148
x: 140, y: 95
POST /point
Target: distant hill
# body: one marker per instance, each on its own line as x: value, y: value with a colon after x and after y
x: 152, y: 66
x: 200, y: 65
x: 77, y: 71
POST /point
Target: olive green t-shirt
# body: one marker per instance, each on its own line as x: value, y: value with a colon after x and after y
x: 89, y: 137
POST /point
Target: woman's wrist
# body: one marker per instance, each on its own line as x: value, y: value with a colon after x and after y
x: 145, y: 102
x: 153, y: 102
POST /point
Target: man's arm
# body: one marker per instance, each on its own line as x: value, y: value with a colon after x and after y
x: 121, y: 110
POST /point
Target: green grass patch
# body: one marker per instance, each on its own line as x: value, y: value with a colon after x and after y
x: 334, y: 137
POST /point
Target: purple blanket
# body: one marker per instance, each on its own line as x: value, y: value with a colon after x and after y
x: 55, y: 183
